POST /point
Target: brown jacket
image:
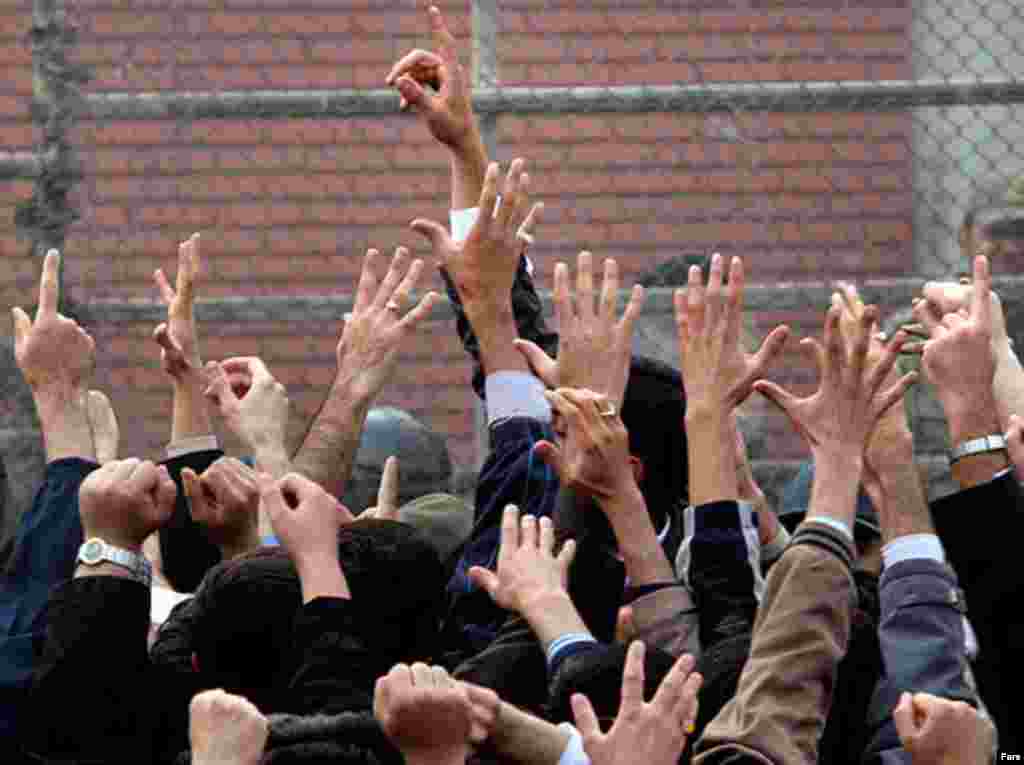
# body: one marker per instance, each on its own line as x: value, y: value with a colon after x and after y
x: 800, y: 634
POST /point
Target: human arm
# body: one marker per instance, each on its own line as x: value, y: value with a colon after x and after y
x: 446, y: 108
x: 717, y: 374
x: 530, y: 579
x: 595, y: 344
x: 224, y: 501
x: 99, y: 621
x: 518, y: 735
x: 653, y: 732
x: 57, y: 358
x: 255, y: 407
x: 482, y: 268
x: 958, y: 360
x: 179, y: 343
x: 779, y: 711
x: 425, y: 713
x: 367, y: 356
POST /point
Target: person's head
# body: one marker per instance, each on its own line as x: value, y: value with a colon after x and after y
x: 424, y: 466
x: 653, y: 409
x: 238, y: 629
x: 995, y: 215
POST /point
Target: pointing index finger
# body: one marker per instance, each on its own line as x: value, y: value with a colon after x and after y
x: 49, y: 287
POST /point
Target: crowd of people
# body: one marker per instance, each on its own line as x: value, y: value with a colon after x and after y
x: 621, y: 591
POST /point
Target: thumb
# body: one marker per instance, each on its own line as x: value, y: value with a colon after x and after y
x: 583, y: 713
x: 22, y: 324
x: 162, y: 336
x: 413, y: 93
x: 551, y: 455
x: 625, y: 629
x: 432, y: 231
x: 484, y: 578
x: 542, y: 365
x: 903, y: 716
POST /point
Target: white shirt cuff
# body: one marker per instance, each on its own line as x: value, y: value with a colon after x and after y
x: 515, y: 394
x: 188, y: 445
x: 574, y: 753
x: 913, y: 546
x: 834, y: 523
x: 462, y: 222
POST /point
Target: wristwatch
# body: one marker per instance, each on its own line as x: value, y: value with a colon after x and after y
x: 95, y: 551
x: 993, y: 443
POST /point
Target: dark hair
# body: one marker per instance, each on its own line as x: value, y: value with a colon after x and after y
x: 240, y: 623
x: 653, y: 409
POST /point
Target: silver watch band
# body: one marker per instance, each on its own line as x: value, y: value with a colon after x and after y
x: 95, y: 551
x: 993, y: 443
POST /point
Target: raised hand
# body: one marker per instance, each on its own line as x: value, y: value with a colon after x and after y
x: 387, y: 495
x: 718, y: 374
x: 594, y: 345
x: 425, y: 713
x: 225, y: 729
x: 483, y: 267
x: 851, y: 397
x: 448, y: 110
x: 177, y: 336
x: 225, y: 501
x: 937, y: 731
x: 593, y: 455
x: 54, y: 354
x: 255, y: 407
x: 653, y: 732
x: 528, y: 571
x: 376, y: 329
x: 958, y: 358
x: 124, y: 501
x: 305, y: 517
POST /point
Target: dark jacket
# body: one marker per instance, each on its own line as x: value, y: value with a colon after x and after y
x: 981, y: 529
x: 45, y: 547
x: 97, y: 696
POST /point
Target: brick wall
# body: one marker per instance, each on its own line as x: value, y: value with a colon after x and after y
x: 288, y: 207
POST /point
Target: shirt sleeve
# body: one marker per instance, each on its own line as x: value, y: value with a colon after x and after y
x: 574, y: 753
x: 515, y: 394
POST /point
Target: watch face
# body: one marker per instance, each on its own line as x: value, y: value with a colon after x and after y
x: 92, y: 551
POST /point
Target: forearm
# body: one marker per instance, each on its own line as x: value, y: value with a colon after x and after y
x: 329, y: 448
x: 1008, y: 385
x: 191, y: 418
x: 904, y: 508
x: 711, y: 439
x: 468, y: 168
x: 524, y: 738
x: 834, y: 492
x: 322, y: 578
x: 64, y: 417
x: 551, y: 616
x: 495, y: 328
x: 638, y: 543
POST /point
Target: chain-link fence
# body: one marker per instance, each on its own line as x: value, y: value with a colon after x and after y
x: 821, y: 140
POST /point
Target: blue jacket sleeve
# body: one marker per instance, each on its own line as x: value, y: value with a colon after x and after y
x: 45, y: 548
x: 512, y: 474
x: 921, y: 633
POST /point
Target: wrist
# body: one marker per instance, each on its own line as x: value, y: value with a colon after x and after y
x: 114, y: 538
x: 971, y: 417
